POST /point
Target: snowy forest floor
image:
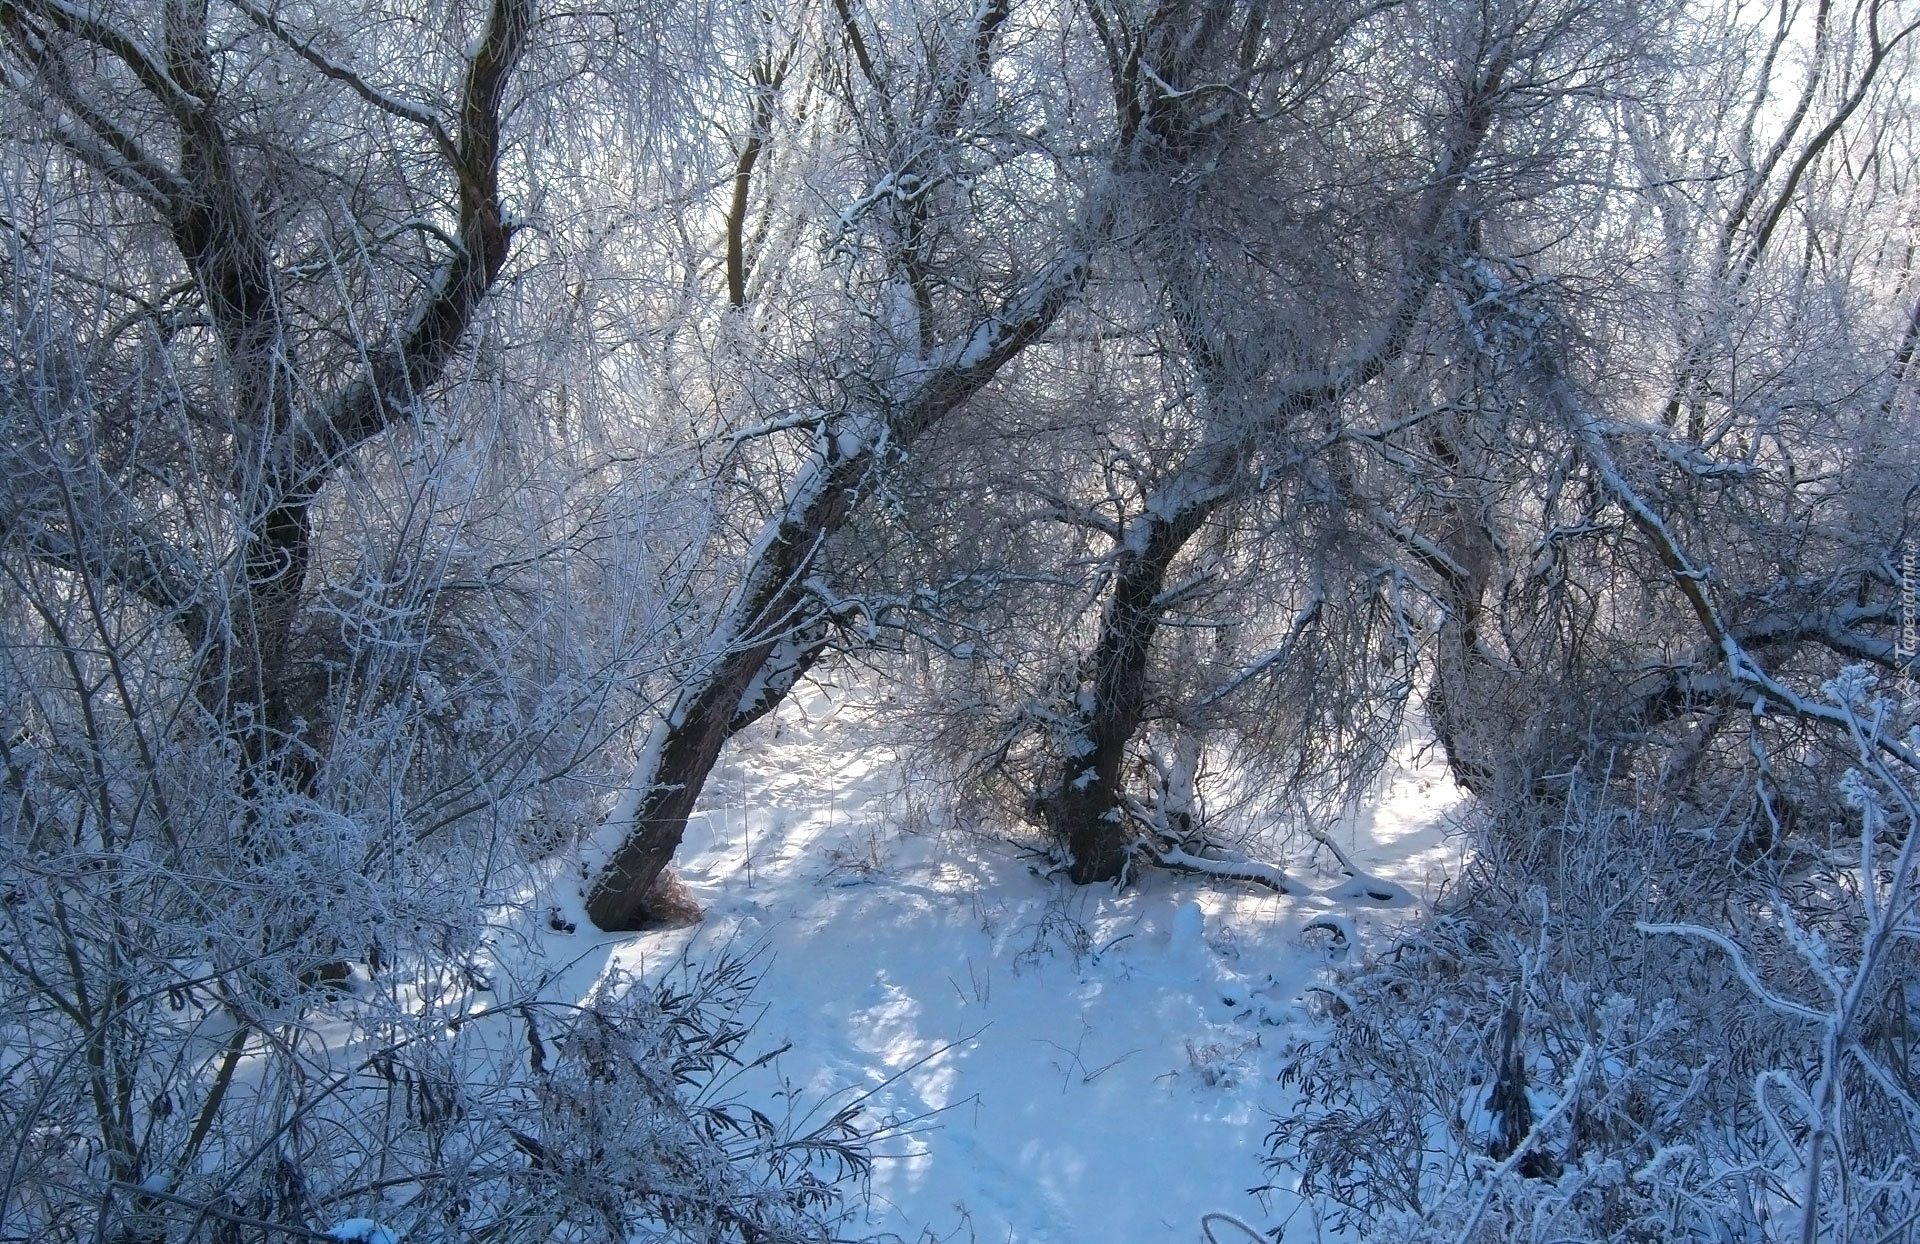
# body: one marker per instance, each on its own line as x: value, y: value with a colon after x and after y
x: 1059, y: 1064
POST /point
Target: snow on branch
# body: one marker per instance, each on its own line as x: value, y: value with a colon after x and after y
x: 1279, y: 656
x: 1267, y: 875
x: 809, y: 418
x: 1692, y: 579
x: 1738, y: 957
x: 392, y: 105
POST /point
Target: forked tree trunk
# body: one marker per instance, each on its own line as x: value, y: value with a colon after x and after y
x: 244, y: 679
x: 1086, y: 807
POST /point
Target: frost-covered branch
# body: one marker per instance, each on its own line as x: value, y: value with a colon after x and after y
x: 392, y: 105
x: 1738, y: 957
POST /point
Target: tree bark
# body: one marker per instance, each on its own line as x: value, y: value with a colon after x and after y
x: 1463, y: 675
x: 1086, y: 809
x: 781, y: 637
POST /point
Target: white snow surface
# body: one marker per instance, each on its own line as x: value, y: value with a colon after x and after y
x: 1061, y: 1064
x: 362, y: 1231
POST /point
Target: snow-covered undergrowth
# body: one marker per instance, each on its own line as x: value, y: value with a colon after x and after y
x: 517, y: 1112
x: 887, y: 1027
x: 893, y: 1027
x: 1620, y: 1028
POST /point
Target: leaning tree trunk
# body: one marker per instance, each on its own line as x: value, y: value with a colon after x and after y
x: 1460, y: 561
x: 1086, y: 809
x: 777, y: 627
x: 775, y: 632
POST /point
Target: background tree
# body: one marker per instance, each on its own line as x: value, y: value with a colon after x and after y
x: 1657, y: 535
x: 1654, y: 542
x: 246, y: 263
x: 1255, y: 409
x: 1278, y: 287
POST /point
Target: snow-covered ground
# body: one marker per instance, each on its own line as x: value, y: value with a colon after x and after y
x: 1062, y: 1064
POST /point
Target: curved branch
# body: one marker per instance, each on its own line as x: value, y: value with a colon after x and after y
x: 439, y: 323
x: 147, y: 68
x: 404, y: 109
x: 98, y: 142
x: 1880, y: 51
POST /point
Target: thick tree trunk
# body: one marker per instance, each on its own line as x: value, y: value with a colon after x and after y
x: 774, y: 632
x: 284, y: 455
x: 1464, y: 678
x: 1450, y: 709
x: 627, y: 893
x: 1086, y: 808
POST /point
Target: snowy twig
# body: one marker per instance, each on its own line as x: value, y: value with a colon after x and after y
x: 1785, y: 1006
x: 1279, y: 656
x: 794, y: 419
x: 1692, y: 581
x: 392, y: 105
x: 1233, y: 870
x: 1207, y: 1221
